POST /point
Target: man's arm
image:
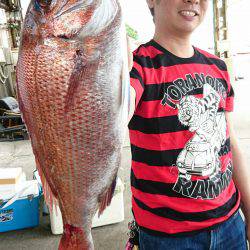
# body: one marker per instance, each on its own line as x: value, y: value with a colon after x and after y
x: 241, y: 172
x: 132, y: 103
x: 132, y: 91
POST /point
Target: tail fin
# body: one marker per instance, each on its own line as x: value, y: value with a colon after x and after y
x: 76, y: 238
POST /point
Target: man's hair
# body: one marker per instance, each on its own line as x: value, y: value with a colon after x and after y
x: 152, y: 11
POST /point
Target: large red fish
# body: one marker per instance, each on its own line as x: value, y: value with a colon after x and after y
x: 73, y: 94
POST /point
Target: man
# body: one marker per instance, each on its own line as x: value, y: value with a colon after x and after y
x: 185, y: 156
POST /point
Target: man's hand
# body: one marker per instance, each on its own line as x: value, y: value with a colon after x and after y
x: 248, y: 231
x: 130, y: 55
x: 132, y: 91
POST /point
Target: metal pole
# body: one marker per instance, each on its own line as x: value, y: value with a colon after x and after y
x: 215, y: 18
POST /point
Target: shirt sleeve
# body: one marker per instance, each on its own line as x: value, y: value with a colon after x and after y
x: 137, y: 79
x: 230, y: 93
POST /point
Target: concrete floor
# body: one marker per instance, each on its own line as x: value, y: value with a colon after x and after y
x: 112, y: 237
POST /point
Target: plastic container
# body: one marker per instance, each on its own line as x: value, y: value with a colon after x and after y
x: 22, y: 209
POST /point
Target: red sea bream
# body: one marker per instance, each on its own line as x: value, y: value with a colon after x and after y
x: 73, y: 94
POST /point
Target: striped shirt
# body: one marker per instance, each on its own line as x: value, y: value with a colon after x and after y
x: 181, y: 176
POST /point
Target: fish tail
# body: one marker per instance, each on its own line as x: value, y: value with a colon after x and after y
x: 107, y: 197
x: 76, y: 238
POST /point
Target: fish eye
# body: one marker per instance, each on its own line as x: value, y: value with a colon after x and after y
x: 42, y: 4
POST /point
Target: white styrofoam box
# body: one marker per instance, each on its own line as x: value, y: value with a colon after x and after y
x: 24, y: 189
x: 10, y: 175
x: 12, y: 188
x: 112, y: 214
x: 30, y: 187
x: 37, y: 177
x: 56, y: 222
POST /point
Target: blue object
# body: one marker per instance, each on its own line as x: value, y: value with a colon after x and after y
x: 23, y: 213
x: 230, y: 235
x: 37, y: 6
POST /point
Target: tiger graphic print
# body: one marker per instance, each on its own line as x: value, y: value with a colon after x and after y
x: 200, y: 155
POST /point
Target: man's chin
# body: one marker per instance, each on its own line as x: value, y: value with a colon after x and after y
x: 188, y: 29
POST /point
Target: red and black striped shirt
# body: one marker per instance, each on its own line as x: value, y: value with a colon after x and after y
x: 181, y: 176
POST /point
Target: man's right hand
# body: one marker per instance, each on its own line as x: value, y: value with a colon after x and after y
x: 130, y: 55
x: 132, y: 91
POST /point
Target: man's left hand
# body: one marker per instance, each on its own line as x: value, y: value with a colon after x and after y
x: 248, y: 230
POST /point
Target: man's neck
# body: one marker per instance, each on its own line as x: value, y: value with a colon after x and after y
x: 179, y: 46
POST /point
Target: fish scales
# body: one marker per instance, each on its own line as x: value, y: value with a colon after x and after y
x: 71, y: 95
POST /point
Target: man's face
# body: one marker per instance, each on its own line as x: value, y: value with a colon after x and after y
x: 182, y: 16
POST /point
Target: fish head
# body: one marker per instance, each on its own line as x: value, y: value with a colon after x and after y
x: 58, y: 18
